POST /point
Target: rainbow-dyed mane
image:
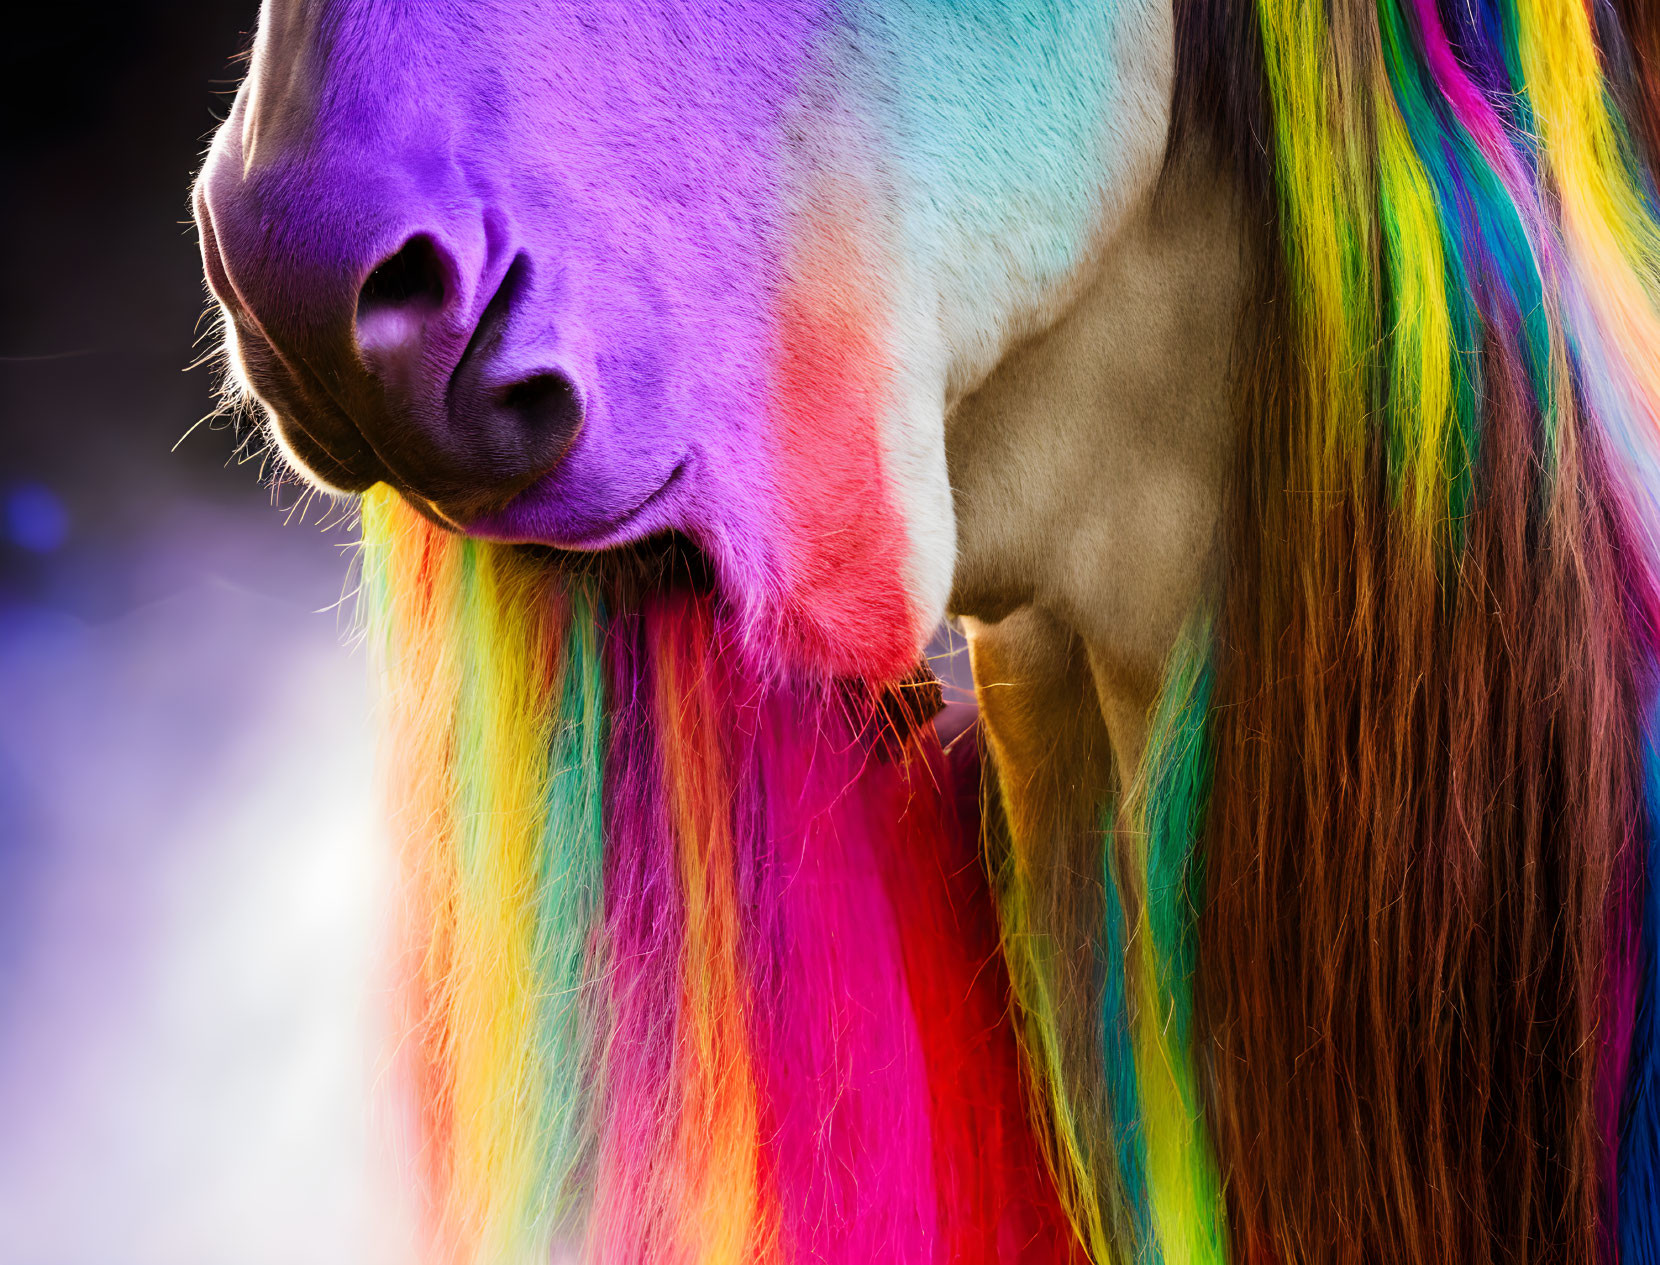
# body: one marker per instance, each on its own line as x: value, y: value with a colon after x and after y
x: 698, y: 966
x: 1271, y: 387
x: 1379, y: 924
x: 1441, y: 610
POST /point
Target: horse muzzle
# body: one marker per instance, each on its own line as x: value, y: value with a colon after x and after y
x: 380, y: 338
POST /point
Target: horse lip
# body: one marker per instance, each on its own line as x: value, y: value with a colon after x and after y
x: 621, y: 521
x: 429, y: 510
x: 331, y: 450
x: 600, y: 536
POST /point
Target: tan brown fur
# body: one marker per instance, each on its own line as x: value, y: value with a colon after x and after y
x: 1087, y: 474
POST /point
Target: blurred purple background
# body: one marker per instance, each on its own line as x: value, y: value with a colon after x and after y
x: 191, y: 879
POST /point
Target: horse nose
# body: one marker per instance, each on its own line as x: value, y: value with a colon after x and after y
x: 406, y: 370
x: 464, y: 434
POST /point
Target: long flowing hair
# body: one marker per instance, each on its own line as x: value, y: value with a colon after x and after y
x: 1371, y: 970
x: 698, y: 963
x: 1421, y: 982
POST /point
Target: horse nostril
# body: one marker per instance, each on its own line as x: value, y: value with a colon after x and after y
x: 546, y: 412
x: 400, y: 295
x: 535, y: 422
x: 413, y: 275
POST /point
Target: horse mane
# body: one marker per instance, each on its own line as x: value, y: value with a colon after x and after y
x: 1422, y: 992
x: 696, y: 959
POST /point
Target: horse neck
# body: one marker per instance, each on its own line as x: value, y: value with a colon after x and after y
x: 1088, y: 476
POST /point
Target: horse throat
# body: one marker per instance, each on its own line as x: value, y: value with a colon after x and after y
x: 1088, y: 475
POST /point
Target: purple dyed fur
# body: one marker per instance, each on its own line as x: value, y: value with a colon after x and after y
x: 626, y: 155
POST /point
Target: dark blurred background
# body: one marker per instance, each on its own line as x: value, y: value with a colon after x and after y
x: 107, y: 108
x: 189, y: 873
